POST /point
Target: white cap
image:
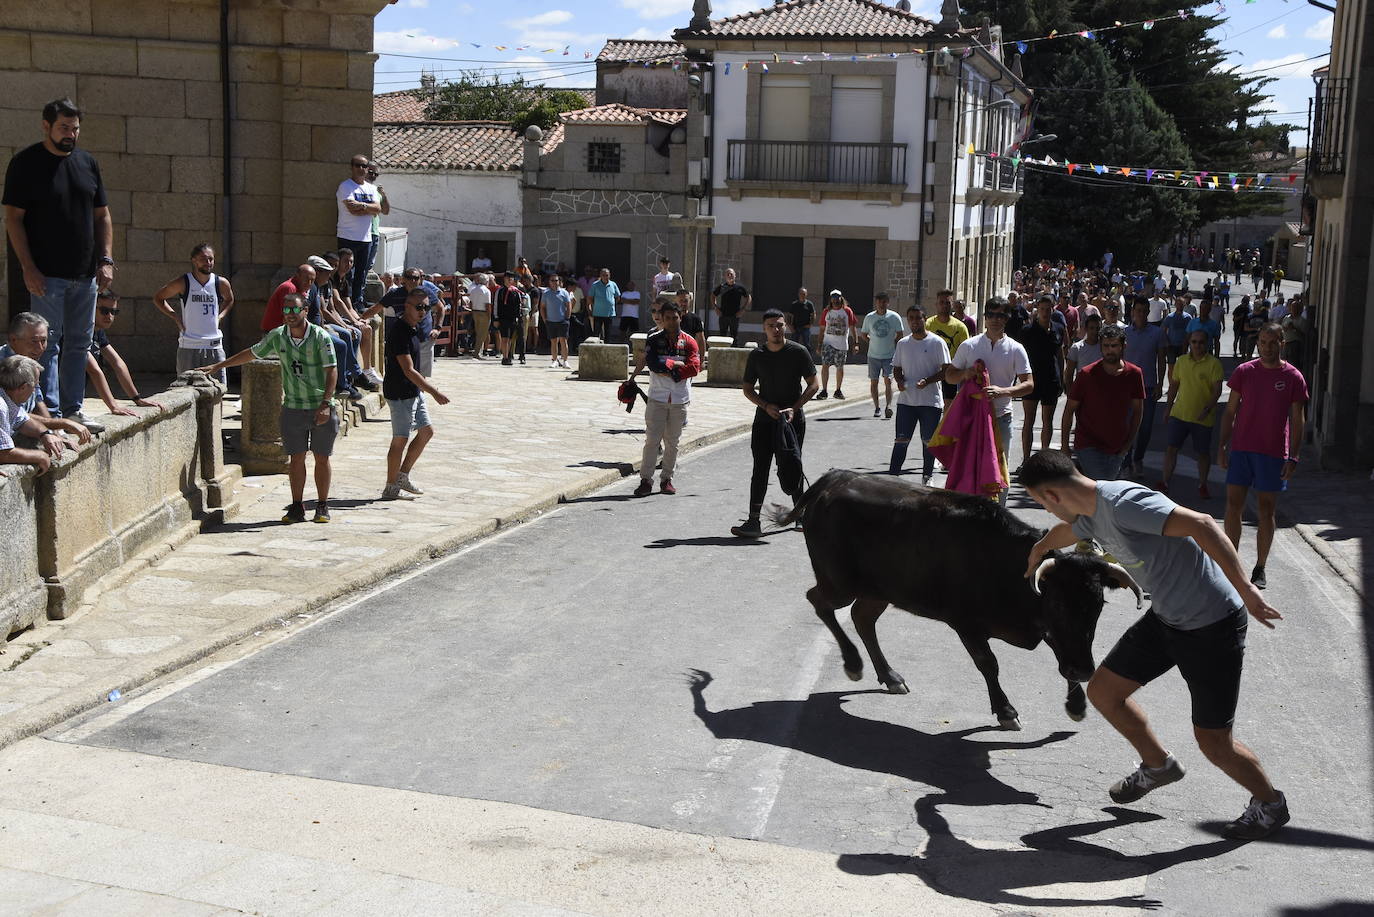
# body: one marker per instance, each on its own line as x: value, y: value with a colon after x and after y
x: 837, y: 293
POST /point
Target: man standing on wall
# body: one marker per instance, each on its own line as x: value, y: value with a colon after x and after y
x: 605, y: 296
x: 59, y: 226
x: 359, y: 201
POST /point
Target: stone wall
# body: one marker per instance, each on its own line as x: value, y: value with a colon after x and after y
x: 146, y: 480
x: 147, y: 73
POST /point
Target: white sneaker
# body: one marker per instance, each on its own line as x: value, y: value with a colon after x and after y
x: 92, y: 425
x: 404, y: 483
x: 394, y: 492
x: 372, y: 376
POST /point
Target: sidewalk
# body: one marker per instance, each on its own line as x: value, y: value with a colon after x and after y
x: 513, y: 442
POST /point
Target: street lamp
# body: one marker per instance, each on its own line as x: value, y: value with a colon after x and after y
x: 1039, y: 138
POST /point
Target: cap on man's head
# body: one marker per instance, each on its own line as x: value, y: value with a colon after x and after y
x: 837, y: 293
x: 319, y: 263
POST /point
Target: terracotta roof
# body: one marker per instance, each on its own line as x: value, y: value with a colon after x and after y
x: 409, y: 104
x: 422, y: 146
x: 616, y: 113
x: 821, y: 19
x: 630, y: 49
x: 405, y: 105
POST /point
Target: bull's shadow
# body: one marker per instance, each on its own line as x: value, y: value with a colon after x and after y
x: 821, y: 727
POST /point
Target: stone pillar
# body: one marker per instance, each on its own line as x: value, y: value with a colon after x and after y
x: 23, y: 595
x: 260, y: 437
x: 217, y: 479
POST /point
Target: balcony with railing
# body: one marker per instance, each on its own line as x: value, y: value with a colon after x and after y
x: 1326, y: 159
x: 816, y: 162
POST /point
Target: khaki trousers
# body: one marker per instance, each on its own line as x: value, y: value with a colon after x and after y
x: 663, y: 422
x: 481, y: 323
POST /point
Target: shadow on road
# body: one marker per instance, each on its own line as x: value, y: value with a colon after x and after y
x: 625, y: 468
x: 704, y: 541
x: 600, y: 498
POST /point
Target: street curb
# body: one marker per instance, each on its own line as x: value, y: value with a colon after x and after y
x: 44, y: 716
x: 1348, y: 575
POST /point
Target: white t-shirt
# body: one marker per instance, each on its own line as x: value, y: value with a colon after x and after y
x: 1005, y: 359
x: 1158, y: 307
x: 480, y: 296
x: 837, y: 322
x: 355, y: 228
x: 1082, y: 353
x: 629, y: 304
x: 200, y: 314
x: 667, y: 280
x: 481, y: 264
x: 920, y: 358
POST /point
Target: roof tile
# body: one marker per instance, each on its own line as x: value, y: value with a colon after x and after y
x: 822, y: 19
x: 617, y: 113
x: 629, y: 49
x: 420, y: 146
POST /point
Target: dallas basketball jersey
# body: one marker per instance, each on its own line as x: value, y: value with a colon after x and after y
x: 200, y: 314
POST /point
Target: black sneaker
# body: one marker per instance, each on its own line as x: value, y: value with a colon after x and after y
x: 1257, y: 577
x: 839, y: 394
x: 321, y: 513
x: 750, y: 528
x: 645, y: 488
x: 1144, y: 779
x: 294, y: 513
x: 822, y: 395
x: 877, y: 413
x: 1260, y: 819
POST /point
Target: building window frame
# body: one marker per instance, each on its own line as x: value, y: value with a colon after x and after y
x: 604, y: 157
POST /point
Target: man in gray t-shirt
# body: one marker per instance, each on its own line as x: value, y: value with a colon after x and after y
x: 1197, y: 623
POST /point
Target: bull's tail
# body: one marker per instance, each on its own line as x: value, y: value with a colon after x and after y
x: 783, y: 517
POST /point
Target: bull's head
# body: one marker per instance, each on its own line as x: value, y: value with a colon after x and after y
x: 1071, y: 592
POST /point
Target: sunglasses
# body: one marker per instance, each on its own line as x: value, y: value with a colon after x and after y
x: 292, y: 310
x: 106, y: 310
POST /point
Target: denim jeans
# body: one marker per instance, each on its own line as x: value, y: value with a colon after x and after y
x: 69, y: 307
x: 343, y: 357
x: 908, y: 416
x: 361, y: 256
x: 1003, y: 422
x: 1099, y: 465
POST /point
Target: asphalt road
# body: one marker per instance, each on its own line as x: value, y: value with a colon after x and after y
x: 628, y: 659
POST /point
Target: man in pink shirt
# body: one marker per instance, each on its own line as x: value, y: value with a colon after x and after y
x: 1261, y: 434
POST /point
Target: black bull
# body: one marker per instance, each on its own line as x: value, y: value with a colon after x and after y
x: 956, y: 558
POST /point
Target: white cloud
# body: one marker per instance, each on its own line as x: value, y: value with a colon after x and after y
x: 1290, y: 65
x: 552, y: 17
x: 411, y: 41
x: 1279, y: 31
x: 1320, y: 30
x: 417, y: 4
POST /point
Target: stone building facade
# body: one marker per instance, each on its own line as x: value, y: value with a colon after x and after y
x: 150, y: 76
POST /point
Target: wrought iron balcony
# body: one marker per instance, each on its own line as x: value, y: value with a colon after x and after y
x: 1330, y: 117
x: 816, y: 161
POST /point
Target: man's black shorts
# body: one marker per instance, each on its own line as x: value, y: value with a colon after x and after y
x: 1209, y: 659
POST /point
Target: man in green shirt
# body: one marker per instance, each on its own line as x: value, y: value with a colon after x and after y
x: 308, y: 419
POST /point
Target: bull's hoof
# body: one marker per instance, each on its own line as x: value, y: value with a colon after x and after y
x: 897, y: 687
x: 1011, y: 725
x: 1077, y: 716
x: 854, y: 674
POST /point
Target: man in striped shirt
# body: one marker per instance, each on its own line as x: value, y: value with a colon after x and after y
x: 308, y: 419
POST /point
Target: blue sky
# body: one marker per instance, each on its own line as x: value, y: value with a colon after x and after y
x: 1273, y: 36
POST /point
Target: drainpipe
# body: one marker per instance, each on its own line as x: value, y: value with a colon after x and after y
x: 926, y: 149
x: 710, y: 207
x: 226, y: 141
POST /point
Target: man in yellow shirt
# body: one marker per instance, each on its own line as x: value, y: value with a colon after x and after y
x: 1194, y: 389
x: 953, y: 330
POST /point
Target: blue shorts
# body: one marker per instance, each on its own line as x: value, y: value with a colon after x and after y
x: 408, y: 414
x: 879, y: 366
x: 1180, y: 431
x: 1256, y: 471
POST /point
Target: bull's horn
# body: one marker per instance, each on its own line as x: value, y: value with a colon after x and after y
x: 1040, y: 571
x: 1118, y: 573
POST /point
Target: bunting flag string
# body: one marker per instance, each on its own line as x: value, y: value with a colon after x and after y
x: 1186, y: 179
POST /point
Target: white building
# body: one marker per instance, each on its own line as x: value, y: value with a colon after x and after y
x: 829, y: 139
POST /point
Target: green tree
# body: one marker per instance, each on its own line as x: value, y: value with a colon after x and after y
x: 477, y: 97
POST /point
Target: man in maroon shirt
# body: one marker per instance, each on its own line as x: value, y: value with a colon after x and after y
x: 300, y: 283
x: 1108, y: 399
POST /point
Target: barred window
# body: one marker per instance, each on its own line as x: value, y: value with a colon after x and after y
x: 603, y: 157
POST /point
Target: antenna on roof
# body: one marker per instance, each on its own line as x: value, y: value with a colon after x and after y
x: 427, y: 81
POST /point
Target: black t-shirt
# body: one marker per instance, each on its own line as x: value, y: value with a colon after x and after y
x: 401, y: 340
x: 691, y: 323
x: 803, y: 313
x: 99, y: 341
x: 506, y: 302
x: 729, y: 297
x: 59, y: 196
x: 1043, y: 347
x: 779, y: 374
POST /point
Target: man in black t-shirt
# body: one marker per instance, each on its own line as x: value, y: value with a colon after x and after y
x: 405, y: 388
x: 60, y: 230
x: 773, y: 379
x: 1044, y: 342
x: 691, y: 322
x: 803, y: 314
x: 729, y: 300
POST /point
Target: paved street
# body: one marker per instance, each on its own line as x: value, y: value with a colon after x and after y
x: 619, y: 708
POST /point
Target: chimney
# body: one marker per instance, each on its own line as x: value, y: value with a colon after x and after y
x: 427, y: 82
x: 701, y: 16
x: 904, y: 6
x: 949, y: 16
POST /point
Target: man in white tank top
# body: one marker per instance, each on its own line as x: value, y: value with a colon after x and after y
x: 205, y: 299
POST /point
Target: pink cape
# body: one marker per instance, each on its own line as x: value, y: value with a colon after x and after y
x: 967, y: 441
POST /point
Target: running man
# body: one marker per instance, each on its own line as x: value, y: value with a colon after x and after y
x: 1197, y: 621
